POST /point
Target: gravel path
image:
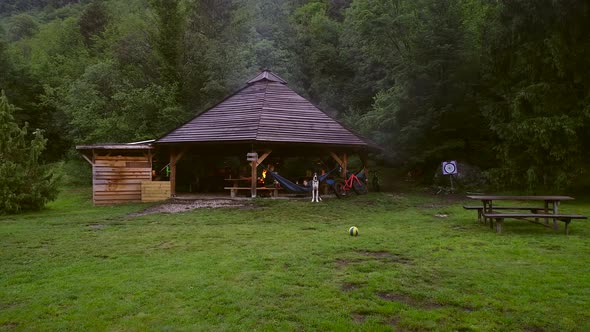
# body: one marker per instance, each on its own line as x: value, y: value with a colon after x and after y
x: 176, y: 206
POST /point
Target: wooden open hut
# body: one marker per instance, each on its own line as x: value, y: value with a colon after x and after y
x: 263, y: 118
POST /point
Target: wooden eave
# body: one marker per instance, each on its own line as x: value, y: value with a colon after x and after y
x: 115, y: 147
x: 88, y: 151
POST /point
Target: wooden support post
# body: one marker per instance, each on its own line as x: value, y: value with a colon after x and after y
x: 93, y: 176
x: 365, y: 160
x: 344, y: 164
x: 254, y: 165
x: 173, y: 159
x: 150, y: 158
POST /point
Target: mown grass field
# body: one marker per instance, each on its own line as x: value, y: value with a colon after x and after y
x: 290, y: 265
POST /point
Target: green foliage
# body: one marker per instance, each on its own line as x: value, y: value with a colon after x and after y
x: 74, y: 171
x: 22, y: 26
x: 25, y: 183
x: 425, y: 111
x: 169, y: 22
x: 497, y: 84
x: 12, y: 6
x: 103, y: 106
x: 94, y: 20
x: 536, y: 98
x: 322, y: 70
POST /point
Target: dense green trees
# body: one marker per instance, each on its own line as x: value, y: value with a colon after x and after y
x: 537, y: 95
x: 500, y: 85
x: 25, y: 182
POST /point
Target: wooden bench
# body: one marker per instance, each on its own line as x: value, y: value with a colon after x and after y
x: 499, y: 218
x: 233, y: 191
x: 479, y: 209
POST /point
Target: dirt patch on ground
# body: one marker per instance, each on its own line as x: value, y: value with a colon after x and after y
x: 176, y: 206
x: 409, y: 300
x: 386, y: 256
x: 350, y: 286
x: 96, y: 226
x: 358, y: 317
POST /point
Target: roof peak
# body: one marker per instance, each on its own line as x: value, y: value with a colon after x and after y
x: 268, y: 75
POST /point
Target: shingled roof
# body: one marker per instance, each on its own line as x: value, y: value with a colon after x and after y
x: 265, y: 110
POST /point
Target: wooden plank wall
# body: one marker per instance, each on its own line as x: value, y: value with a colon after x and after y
x: 117, y: 179
x: 153, y: 191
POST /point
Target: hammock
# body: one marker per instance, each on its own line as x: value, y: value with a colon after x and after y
x: 297, y: 187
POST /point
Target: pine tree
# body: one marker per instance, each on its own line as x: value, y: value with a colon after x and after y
x: 25, y: 183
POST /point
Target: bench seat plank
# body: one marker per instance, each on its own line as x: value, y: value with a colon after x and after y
x: 479, y: 209
x: 528, y: 208
x: 499, y: 217
x: 534, y: 215
x: 234, y: 190
x: 248, y: 188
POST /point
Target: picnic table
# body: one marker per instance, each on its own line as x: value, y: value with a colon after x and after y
x: 244, y: 183
x: 550, y: 210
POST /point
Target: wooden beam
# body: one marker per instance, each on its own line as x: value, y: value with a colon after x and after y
x: 261, y: 159
x: 87, y: 159
x: 178, y: 155
x: 335, y: 157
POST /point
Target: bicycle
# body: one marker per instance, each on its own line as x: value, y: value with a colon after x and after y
x: 355, y: 182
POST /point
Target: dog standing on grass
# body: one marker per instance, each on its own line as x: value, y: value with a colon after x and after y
x: 315, y: 189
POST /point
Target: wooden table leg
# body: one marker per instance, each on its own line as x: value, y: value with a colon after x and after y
x: 490, y: 209
x: 555, y: 211
x: 546, y: 211
x: 499, y: 223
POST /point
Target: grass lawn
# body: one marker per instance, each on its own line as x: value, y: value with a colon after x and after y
x: 291, y: 265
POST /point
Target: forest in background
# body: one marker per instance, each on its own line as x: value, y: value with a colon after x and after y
x: 501, y: 85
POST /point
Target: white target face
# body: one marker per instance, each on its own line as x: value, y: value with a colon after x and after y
x: 449, y: 168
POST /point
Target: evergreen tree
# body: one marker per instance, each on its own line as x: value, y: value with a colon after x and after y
x: 25, y: 183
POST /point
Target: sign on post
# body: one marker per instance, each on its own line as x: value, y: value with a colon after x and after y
x: 252, y: 156
x: 449, y: 167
